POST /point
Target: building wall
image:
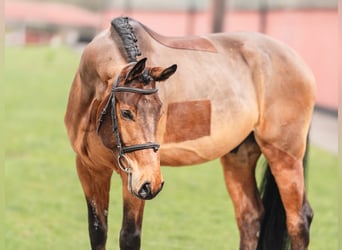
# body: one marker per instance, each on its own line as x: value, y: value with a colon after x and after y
x: 312, y: 33
x: 183, y: 5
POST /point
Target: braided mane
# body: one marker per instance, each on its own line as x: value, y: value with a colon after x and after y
x: 126, y: 33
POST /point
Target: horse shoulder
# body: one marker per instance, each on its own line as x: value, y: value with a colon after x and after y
x: 90, y: 87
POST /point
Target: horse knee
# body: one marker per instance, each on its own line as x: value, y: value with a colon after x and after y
x: 97, y: 227
x: 130, y: 239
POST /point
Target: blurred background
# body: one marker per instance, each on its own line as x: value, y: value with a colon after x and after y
x: 309, y: 26
x: 44, y: 203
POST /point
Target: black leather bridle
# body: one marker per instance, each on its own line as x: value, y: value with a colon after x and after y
x: 122, y: 150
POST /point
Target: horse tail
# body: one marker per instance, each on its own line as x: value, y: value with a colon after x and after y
x: 273, y: 231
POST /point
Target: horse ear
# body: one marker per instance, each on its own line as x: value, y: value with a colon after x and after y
x: 160, y: 74
x: 136, y: 70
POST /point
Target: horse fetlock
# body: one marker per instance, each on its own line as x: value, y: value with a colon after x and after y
x: 299, y: 234
x: 249, y: 228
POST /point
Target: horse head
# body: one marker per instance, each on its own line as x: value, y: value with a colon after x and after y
x: 129, y: 129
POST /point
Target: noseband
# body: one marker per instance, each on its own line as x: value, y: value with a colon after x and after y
x: 122, y: 150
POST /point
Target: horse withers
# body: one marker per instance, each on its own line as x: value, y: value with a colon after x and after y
x: 140, y: 100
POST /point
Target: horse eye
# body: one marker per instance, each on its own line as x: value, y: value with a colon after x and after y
x: 127, y: 114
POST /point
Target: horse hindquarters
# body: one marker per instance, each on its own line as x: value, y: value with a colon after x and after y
x: 262, y: 224
x: 286, y: 106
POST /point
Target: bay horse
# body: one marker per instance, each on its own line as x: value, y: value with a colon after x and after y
x: 140, y: 100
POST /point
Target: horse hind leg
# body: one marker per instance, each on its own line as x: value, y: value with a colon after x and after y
x: 288, y: 172
x: 239, y: 173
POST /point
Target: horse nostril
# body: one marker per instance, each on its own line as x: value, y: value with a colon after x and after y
x: 145, y: 191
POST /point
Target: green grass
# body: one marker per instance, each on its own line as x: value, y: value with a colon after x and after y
x: 45, y: 208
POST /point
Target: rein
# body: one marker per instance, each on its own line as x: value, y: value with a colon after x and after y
x: 122, y: 150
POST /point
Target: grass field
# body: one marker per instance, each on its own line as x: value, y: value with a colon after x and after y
x: 45, y: 208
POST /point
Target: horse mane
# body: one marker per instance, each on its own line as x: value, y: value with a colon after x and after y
x: 128, y: 38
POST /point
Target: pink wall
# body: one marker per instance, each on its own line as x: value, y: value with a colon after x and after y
x: 315, y: 36
x: 313, y: 33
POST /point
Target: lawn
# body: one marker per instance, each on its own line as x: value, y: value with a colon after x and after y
x: 45, y: 207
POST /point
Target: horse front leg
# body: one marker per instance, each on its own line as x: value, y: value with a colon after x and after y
x: 130, y: 234
x: 96, y: 186
x: 239, y: 173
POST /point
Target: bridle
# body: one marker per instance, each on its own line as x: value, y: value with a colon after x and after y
x: 122, y: 150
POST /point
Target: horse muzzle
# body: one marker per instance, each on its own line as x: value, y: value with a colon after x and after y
x: 144, y: 182
x: 146, y: 192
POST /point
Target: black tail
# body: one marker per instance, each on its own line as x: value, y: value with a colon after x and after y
x: 273, y: 231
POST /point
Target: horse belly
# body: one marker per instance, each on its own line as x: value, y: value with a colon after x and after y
x: 199, y: 150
